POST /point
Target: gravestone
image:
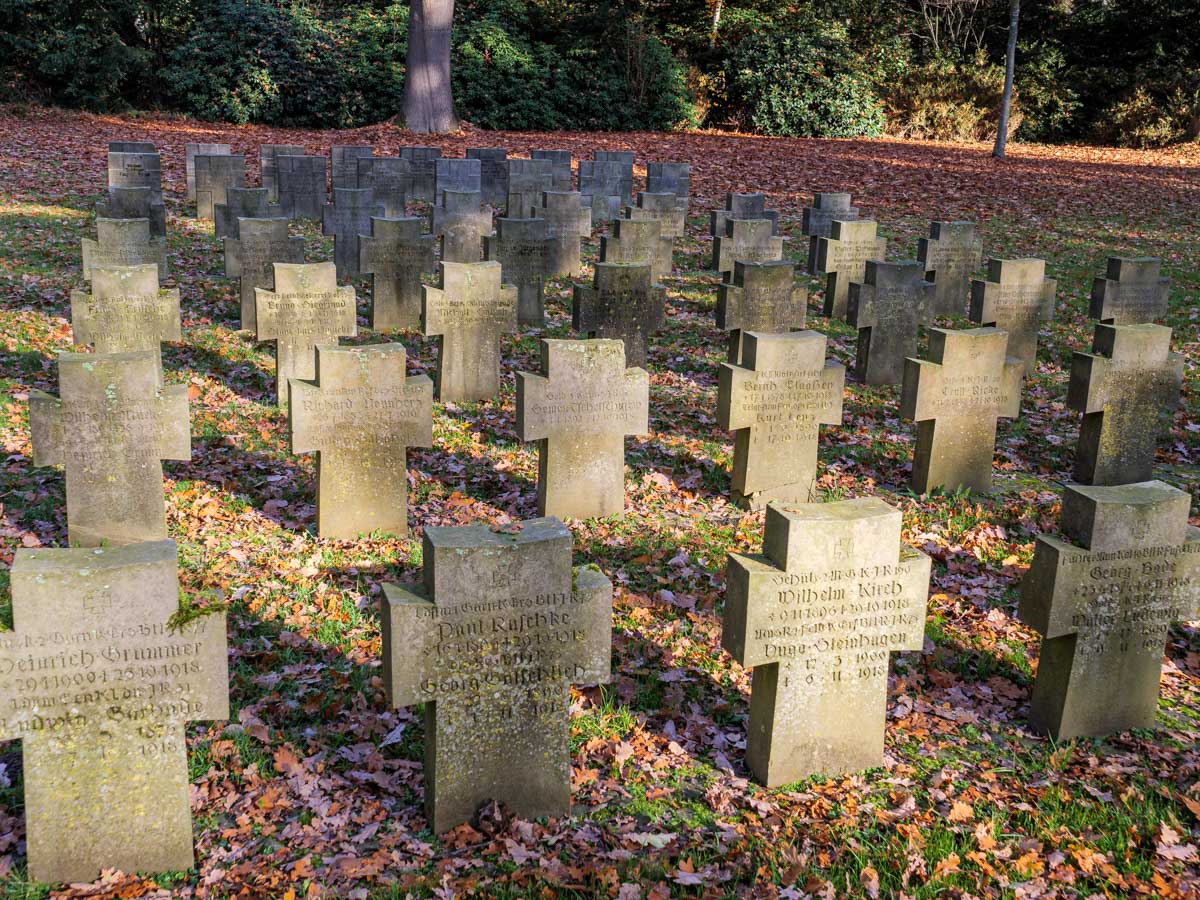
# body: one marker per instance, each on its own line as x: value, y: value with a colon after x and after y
x: 242, y: 203
x: 467, y: 314
x: 268, y: 165
x: 955, y: 397
x: 305, y: 309
x: 602, y: 186
x: 190, y: 152
x: 301, y: 186
x: 423, y: 163
x: 493, y: 173
x: 389, y: 179
x: 1103, y: 599
x: 396, y: 254
x: 462, y: 222
x: 346, y: 218
x: 1015, y: 297
x: 251, y: 257
x: 136, y: 170
x: 888, y: 308
x: 775, y: 401
x: 132, y: 147
x: 1126, y: 389
x: 639, y: 241
x: 579, y: 409
x: 952, y: 253
x: 360, y: 416
x: 566, y: 220
x: 842, y: 259
x: 110, y: 426
x: 215, y: 175
x: 523, y: 250
x: 457, y: 175
x: 343, y: 165
x: 670, y: 178
x: 745, y: 240
x: 1133, y: 292
x: 560, y: 167
x: 742, y: 206
x: 761, y: 297
x: 126, y: 311
x: 623, y: 158
x: 818, y: 219
x: 102, y: 727
x: 662, y: 206
x: 622, y: 303
x: 123, y: 242
x: 135, y: 203
x: 489, y: 643
x: 527, y: 179
x: 818, y: 615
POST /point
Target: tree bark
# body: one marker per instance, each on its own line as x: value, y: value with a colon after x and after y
x: 1010, y: 68
x: 428, y: 100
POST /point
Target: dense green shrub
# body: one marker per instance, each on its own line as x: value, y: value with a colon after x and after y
x: 1049, y: 101
x: 1142, y: 120
x: 949, y: 101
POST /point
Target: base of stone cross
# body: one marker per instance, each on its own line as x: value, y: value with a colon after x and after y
x: 799, y: 492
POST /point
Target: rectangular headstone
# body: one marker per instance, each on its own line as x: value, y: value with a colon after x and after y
x: 190, y: 152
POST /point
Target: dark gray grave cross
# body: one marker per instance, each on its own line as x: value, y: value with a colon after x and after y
x: 560, y: 167
x: 396, y: 254
x: 601, y: 184
x: 951, y: 253
x: 251, y: 257
x: 670, y: 178
x: 215, y: 175
x: 190, y: 152
x: 1016, y: 296
x: 818, y: 219
x: 888, y: 308
x: 302, y: 185
x: 268, y: 167
x: 423, y: 161
x: 523, y: 251
x: 346, y: 218
x: 622, y: 303
x: 527, y: 179
x: 242, y: 203
x: 462, y: 222
x: 625, y: 159
x: 493, y: 173
x: 135, y: 203
x: 389, y: 179
x: 762, y: 297
x: 639, y: 241
x: 343, y: 164
x: 1133, y: 292
x: 566, y: 222
x: 132, y: 147
x: 742, y: 206
x: 456, y: 175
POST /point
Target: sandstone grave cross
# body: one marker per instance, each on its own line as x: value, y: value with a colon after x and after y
x: 1016, y: 296
x: 215, y: 175
x: 396, y: 254
x: 123, y: 242
x: 742, y: 206
x: 639, y: 241
x: 135, y: 203
x: 566, y: 222
x: 888, y: 308
x: 136, y: 169
x: 347, y: 218
x: 842, y: 259
x: 748, y: 240
x: 302, y: 185
x: 762, y: 297
x: 461, y: 221
x: 251, y: 256
x: 664, y: 207
x: 951, y: 253
x: 268, y: 165
x: 190, y: 152
x: 623, y: 303
x: 523, y: 251
x: 242, y: 203
x: 1133, y: 292
x: 125, y: 311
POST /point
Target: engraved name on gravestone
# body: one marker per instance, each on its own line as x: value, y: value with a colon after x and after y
x: 1103, y: 599
x: 251, y: 257
x: 527, y: 180
x: 346, y: 218
x: 135, y: 203
x: 215, y: 175
x: 136, y: 170
x: 360, y: 416
x: 109, y: 428
x: 661, y: 206
x: 306, y: 308
x: 888, y: 308
x: 423, y: 163
x: 389, y: 179
x: 489, y: 643
x: 396, y: 254
x: 601, y: 185
x: 462, y: 222
x: 468, y: 313
x: 670, y: 178
x: 842, y: 259
x: 762, y: 297
x: 125, y: 311
x: 457, y: 175
x: 748, y: 240
x: 818, y: 615
x: 637, y: 241
x: 560, y: 167
x: 99, y: 687
x: 302, y: 185
x: 123, y: 242
x: 1127, y: 388
x: 523, y: 251
x: 268, y: 165
x: 622, y: 303
x: 1016, y: 296
x: 1132, y: 292
x: 493, y: 173
x: 190, y: 152
x: 956, y: 397
x: 343, y: 165
x: 242, y: 203
x: 742, y: 206
x: 775, y: 401
x: 579, y: 409
x: 566, y: 221
x: 952, y: 253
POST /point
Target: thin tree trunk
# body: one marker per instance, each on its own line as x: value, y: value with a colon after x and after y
x: 1010, y: 68
x: 716, y: 23
x: 428, y: 101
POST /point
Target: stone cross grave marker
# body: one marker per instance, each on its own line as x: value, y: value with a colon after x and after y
x: 527, y: 179
x: 818, y: 615
x: 110, y: 426
x: 396, y: 254
x: 242, y: 203
x: 215, y: 175
x: 389, y: 179
x: 135, y: 203
x: 251, y: 257
x: 493, y: 173
x: 467, y: 314
x: 622, y: 303
x: 1103, y: 599
x: 105, y: 757
x: 305, y: 309
x: 888, y: 308
x: 601, y: 185
x: 423, y: 162
x: 360, y: 416
x: 302, y: 188
x: 1015, y: 297
x: 762, y: 297
x: 670, y: 178
x: 748, y: 240
x: 125, y: 311
x: 346, y: 218
x: 956, y: 397
x: 136, y: 170
x: 490, y: 642
x: 579, y: 409
x: 132, y: 147
x: 1126, y: 389
x: 123, y: 242
x: 457, y: 175
x: 343, y: 164
x: 818, y: 219
x: 1132, y: 292
x: 625, y: 159
x: 742, y: 206
x: 952, y: 253
x: 523, y: 250
x: 462, y: 222
x: 268, y: 165
x: 842, y: 259
x: 190, y: 152
x: 639, y: 241
x: 566, y: 222
x: 775, y: 401
x: 560, y: 167
x: 662, y: 206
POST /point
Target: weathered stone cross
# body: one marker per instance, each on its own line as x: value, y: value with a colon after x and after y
x: 423, y: 163
x: 123, y: 242
x: 191, y: 151
x: 1133, y: 292
x: 748, y: 240
x: 639, y: 241
x: 269, y: 168
x: 527, y: 179
x: 566, y: 222
x: 560, y: 167
x: 622, y: 303
x: 251, y: 257
x: 493, y: 173
x: 842, y: 258
x: 135, y: 203
x: 242, y: 203
x: 673, y: 178
x: 302, y: 185
x: 664, y: 207
x: 759, y: 296
x: 741, y: 206
x: 888, y: 308
x: 346, y: 218
x: 951, y: 253
x: 389, y: 179
x: 456, y: 174
x: 215, y: 175
x: 343, y: 164
x: 125, y: 311
x: 396, y: 254
x: 462, y: 222
x: 523, y: 250
x: 1016, y: 296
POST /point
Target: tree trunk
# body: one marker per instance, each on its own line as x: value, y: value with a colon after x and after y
x: 1010, y: 68
x: 428, y: 101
